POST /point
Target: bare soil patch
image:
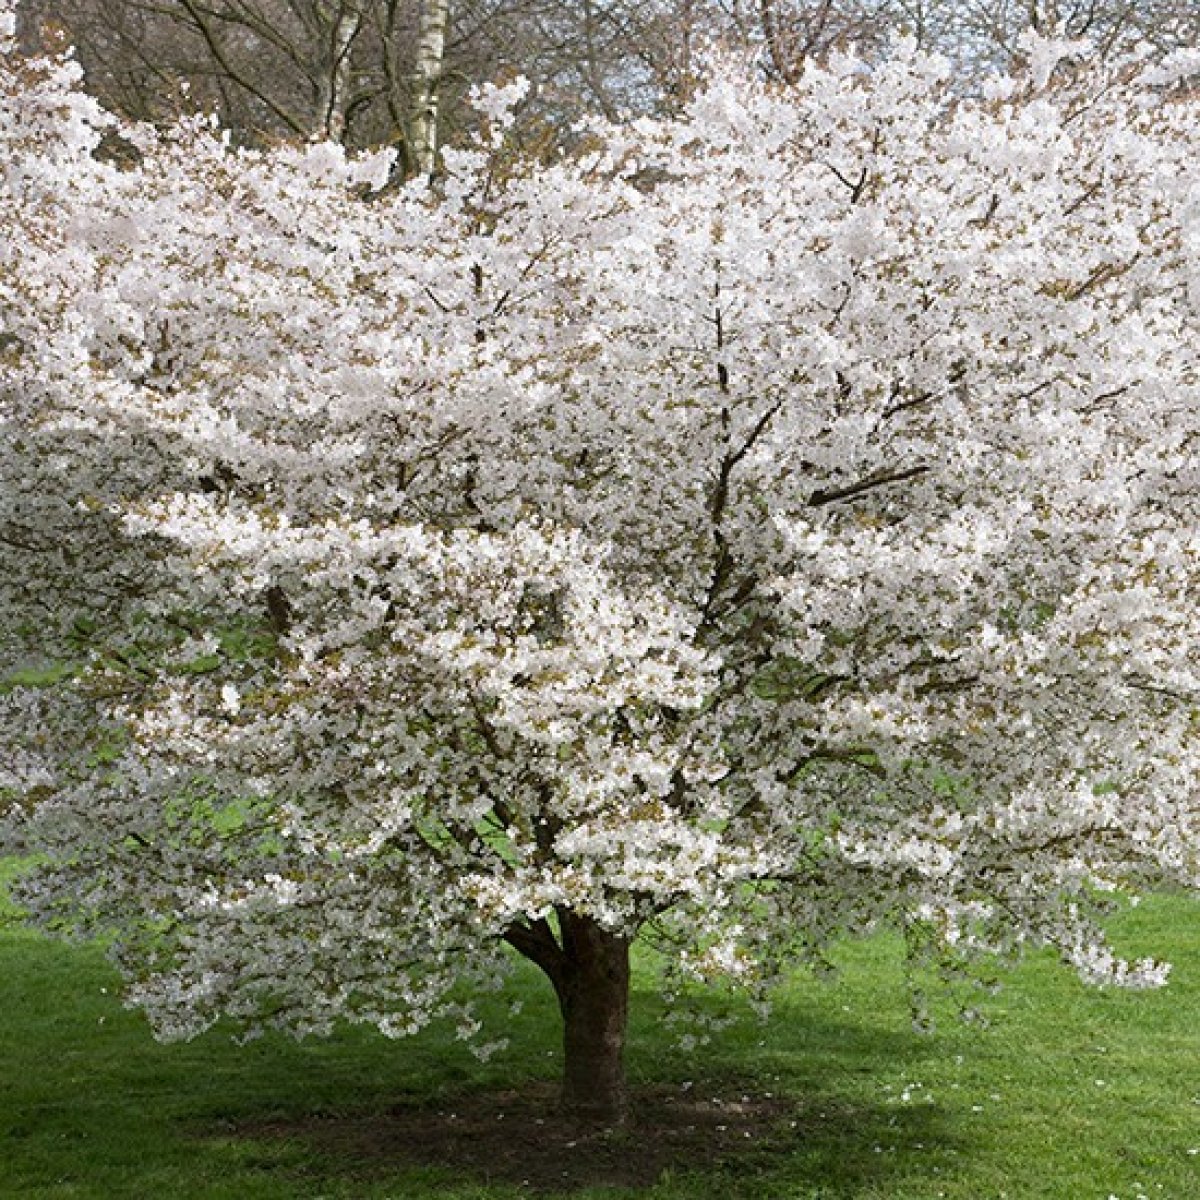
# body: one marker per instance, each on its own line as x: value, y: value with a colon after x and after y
x: 520, y: 1137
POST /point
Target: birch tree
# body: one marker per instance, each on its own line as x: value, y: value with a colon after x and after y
x: 431, y: 53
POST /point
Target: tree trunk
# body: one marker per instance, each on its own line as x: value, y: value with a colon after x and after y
x: 431, y: 51
x: 589, y: 968
x: 594, y: 997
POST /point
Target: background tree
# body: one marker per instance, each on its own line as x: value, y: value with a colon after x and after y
x: 355, y: 70
x: 761, y: 526
x: 362, y: 72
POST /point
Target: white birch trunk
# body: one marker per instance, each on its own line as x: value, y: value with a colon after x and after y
x: 431, y: 51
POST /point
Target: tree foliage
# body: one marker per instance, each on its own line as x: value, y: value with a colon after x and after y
x: 759, y: 526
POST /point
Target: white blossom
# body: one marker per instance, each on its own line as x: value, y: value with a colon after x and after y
x: 762, y: 525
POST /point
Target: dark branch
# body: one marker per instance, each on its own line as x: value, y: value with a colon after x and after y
x: 535, y: 941
x: 850, y: 491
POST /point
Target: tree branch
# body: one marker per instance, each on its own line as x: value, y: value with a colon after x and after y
x: 235, y: 76
x: 832, y: 495
x: 535, y: 941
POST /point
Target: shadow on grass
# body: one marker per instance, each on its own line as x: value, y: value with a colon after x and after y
x: 711, y: 1138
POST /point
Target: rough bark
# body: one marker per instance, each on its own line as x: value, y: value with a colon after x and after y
x: 594, y: 998
x: 589, y: 968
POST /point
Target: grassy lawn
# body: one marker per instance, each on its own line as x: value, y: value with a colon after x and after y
x: 1069, y: 1093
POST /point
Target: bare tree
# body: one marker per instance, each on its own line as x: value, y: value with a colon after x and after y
x: 394, y: 72
x: 990, y: 30
x: 356, y: 71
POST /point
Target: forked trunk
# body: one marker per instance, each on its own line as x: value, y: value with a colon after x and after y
x: 594, y: 997
x: 589, y: 967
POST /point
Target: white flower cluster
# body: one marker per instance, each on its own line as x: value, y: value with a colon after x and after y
x: 766, y: 523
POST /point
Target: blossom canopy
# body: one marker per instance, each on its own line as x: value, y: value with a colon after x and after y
x: 755, y: 526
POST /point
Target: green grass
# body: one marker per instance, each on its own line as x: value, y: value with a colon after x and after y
x: 1069, y: 1093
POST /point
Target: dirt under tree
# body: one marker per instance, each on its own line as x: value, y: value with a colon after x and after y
x: 524, y: 1137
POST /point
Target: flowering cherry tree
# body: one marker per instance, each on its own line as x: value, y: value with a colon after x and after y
x: 754, y: 528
